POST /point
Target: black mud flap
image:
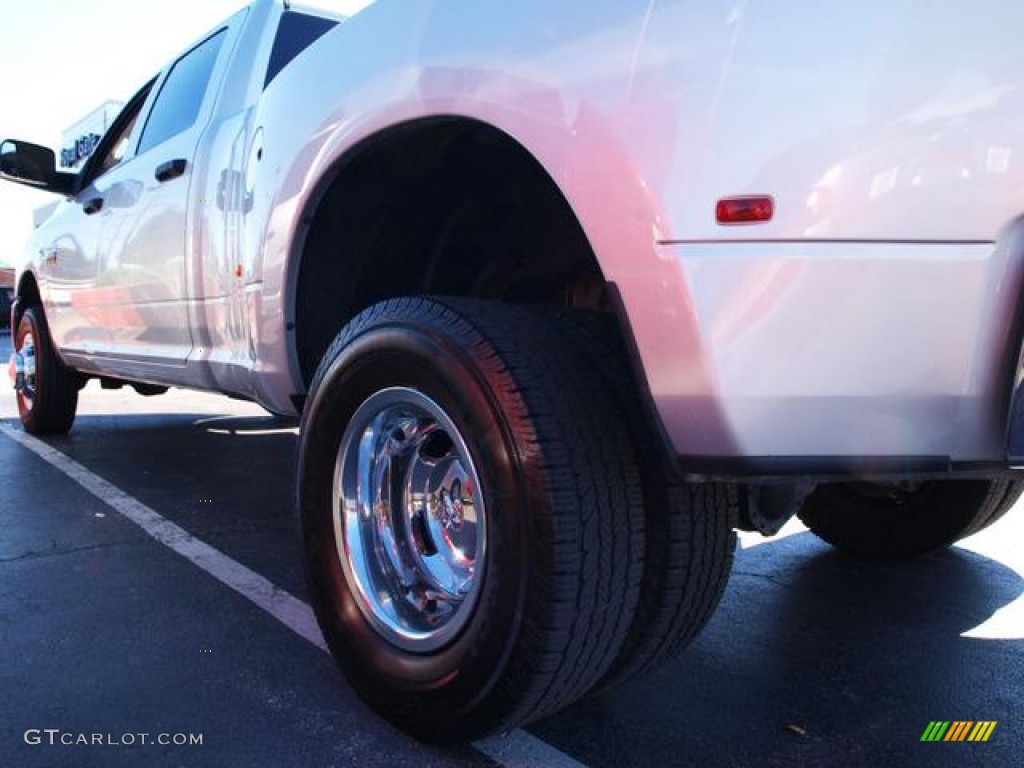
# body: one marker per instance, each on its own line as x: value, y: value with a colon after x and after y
x: 1015, y: 429
x: 1014, y: 239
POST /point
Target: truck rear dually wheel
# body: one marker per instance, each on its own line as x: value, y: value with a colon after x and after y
x: 472, y: 515
x: 891, y: 522
x: 690, y: 541
x: 47, y: 390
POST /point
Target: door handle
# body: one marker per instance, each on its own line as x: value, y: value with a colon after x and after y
x: 172, y: 169
x: 92, y: 206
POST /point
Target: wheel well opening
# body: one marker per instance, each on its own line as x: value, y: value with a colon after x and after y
x: 446, y: 206
x: 28, y: 296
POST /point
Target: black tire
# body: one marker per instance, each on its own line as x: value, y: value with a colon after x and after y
x: 564, y: 517
x: 149, y: 390
x: 48, y: 407
x: 882, y: 523
x: 690, y: 540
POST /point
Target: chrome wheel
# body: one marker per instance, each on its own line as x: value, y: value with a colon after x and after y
x: 409, y: 519
x: 25, y: 368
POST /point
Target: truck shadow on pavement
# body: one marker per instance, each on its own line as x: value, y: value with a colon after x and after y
x: 817, y: 659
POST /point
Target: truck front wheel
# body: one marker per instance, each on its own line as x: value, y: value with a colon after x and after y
x: 47, y: 390
x: 472, y: 515
x: 891, y: 522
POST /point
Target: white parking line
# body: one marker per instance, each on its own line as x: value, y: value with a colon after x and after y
x: 516, y: 749
x: 287, y: 609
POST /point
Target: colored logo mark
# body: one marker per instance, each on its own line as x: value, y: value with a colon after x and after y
x: 959, y: 730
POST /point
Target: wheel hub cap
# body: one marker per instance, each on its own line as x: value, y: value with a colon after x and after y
x: 409, y: 519
x: 22, y: 368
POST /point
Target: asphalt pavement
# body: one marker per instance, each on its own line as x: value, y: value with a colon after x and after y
x: 114, y: 624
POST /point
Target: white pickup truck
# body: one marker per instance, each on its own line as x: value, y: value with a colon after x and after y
x: 564, y: 294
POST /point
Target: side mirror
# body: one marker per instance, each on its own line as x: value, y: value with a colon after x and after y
x: 33, y: 166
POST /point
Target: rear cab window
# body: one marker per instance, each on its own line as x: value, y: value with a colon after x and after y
x: 181, y: 95
x: 295, y: 33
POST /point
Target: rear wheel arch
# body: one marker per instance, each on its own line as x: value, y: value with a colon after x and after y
x: 443, y: 206
x: 27, y: 294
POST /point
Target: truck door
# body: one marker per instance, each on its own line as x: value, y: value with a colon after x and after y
x: 145, y: 241
x: 67, y: 265
x: 69, y: 255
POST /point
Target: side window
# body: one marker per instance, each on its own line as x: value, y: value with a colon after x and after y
x: 295, y: 33
x: 181, y: 95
